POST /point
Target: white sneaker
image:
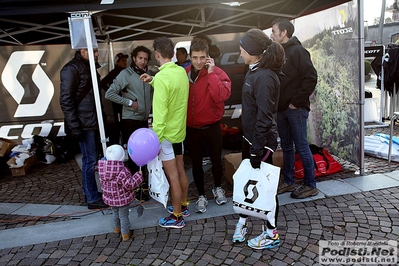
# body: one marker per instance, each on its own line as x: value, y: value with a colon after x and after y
x: 264, y: 241
x: 218, y: 193
x: 200, y: 205
x: 240, y: 232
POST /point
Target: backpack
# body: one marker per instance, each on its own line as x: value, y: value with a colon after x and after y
x: 324, y: 163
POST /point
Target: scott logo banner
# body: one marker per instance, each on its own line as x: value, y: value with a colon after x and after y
x: 39, y: 77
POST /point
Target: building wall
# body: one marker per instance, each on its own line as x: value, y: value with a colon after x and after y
x: 372, y: 33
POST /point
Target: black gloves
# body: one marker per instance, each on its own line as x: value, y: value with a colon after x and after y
x: 255, y: 161
x: 77, y: 135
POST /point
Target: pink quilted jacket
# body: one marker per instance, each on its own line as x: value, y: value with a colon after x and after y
x: 117, y: 183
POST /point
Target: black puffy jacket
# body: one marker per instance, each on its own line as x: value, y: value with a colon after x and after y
x: 75, y: 77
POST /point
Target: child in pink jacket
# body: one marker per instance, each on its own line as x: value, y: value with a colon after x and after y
x: 118, y: 184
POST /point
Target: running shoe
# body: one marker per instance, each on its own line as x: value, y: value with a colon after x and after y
x: 240, y: 232
x: 200, y: 205
x: 264, y: 241
x: 218, y: 193
x: 172, y: 222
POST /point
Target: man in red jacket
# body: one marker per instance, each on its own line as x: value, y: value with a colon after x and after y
x: 209, y: 88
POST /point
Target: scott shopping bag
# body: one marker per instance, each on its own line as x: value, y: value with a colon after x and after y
x: 255, y: 190
x: 158, y: 185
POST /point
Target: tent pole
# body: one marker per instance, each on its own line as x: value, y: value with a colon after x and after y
x: 361, y: 83
x: 95, y: 84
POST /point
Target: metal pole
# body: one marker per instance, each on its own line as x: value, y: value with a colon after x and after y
x: 95, y: 84
x: 361, y: 83
x: 381, y: 25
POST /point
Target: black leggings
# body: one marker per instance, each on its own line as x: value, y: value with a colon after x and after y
x: 269, y: 159
x: 210, y: 135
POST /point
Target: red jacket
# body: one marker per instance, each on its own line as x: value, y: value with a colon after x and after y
x: 117, y: 183
x: 206, y: 98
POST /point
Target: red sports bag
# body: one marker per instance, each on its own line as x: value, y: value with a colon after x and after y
x: 324, y: 163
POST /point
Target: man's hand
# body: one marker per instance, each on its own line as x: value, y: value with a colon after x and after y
x: 210, y: 64
x: 135, y: 105
x: 78, y: 138
x: 146, y: 78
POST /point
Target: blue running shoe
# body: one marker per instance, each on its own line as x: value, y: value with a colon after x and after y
x: 185, y: 213
x: 171, y: 222
x: 264, y: 241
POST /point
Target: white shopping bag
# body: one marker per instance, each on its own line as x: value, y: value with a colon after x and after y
x: 158, y: 185
x: 255, y: 190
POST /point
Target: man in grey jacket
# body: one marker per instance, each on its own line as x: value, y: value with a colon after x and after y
x: 135, y: 96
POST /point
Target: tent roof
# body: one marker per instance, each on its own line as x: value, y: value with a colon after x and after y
x: 26, y: 22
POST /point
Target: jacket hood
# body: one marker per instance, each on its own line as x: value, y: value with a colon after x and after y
x: 110, y: 169
x: 291, y: 42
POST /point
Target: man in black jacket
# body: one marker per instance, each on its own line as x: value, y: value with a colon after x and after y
x: 297, y: 85
x: 79, y: 108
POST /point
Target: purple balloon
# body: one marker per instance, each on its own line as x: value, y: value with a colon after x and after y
x: 143, y: 146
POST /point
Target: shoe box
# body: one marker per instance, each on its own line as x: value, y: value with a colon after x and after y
x: 21, y: 170
x: 5, y: 146
x: 231, y: 163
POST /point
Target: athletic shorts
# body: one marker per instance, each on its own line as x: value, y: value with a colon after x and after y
x: 169, y: 151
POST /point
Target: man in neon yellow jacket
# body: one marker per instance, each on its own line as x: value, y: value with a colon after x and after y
x: 170, y: 113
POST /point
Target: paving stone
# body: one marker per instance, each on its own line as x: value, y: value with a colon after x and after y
x: 207, y: 241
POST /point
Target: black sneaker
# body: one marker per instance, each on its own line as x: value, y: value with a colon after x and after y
x: 99, y: 204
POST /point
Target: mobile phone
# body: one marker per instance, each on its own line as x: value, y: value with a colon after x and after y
x: 207, y: 62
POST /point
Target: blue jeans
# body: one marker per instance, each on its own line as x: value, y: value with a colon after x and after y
x: 89, y: 159
x: 292, y: 129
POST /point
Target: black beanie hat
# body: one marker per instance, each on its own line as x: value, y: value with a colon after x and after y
x: 250, y: 46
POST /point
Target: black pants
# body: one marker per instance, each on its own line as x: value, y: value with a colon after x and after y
x: 115, y: 129
x: 195, y: 139
x: 269, y: 160
x: 128, y: 127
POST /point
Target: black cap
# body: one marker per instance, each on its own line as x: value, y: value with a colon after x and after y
x: 119, y: 56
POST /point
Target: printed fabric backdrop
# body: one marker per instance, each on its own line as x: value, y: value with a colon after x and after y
x: 331, y: 37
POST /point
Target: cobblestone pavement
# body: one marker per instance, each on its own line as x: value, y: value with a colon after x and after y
x: 362, y: 216
x: 367, y: 215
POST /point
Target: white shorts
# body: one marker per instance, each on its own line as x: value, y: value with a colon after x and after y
x: 169, y: 150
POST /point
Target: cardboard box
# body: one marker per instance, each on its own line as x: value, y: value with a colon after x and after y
x: 6, y: 146
x: 22, y: 170
x: 231, y: 163
x: 278, y: 159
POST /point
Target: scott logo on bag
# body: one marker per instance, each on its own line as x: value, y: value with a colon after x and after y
x: 255, y: 192
x: 249, y: 208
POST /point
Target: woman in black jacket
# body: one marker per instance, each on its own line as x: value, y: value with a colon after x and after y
x: 260, y: 95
